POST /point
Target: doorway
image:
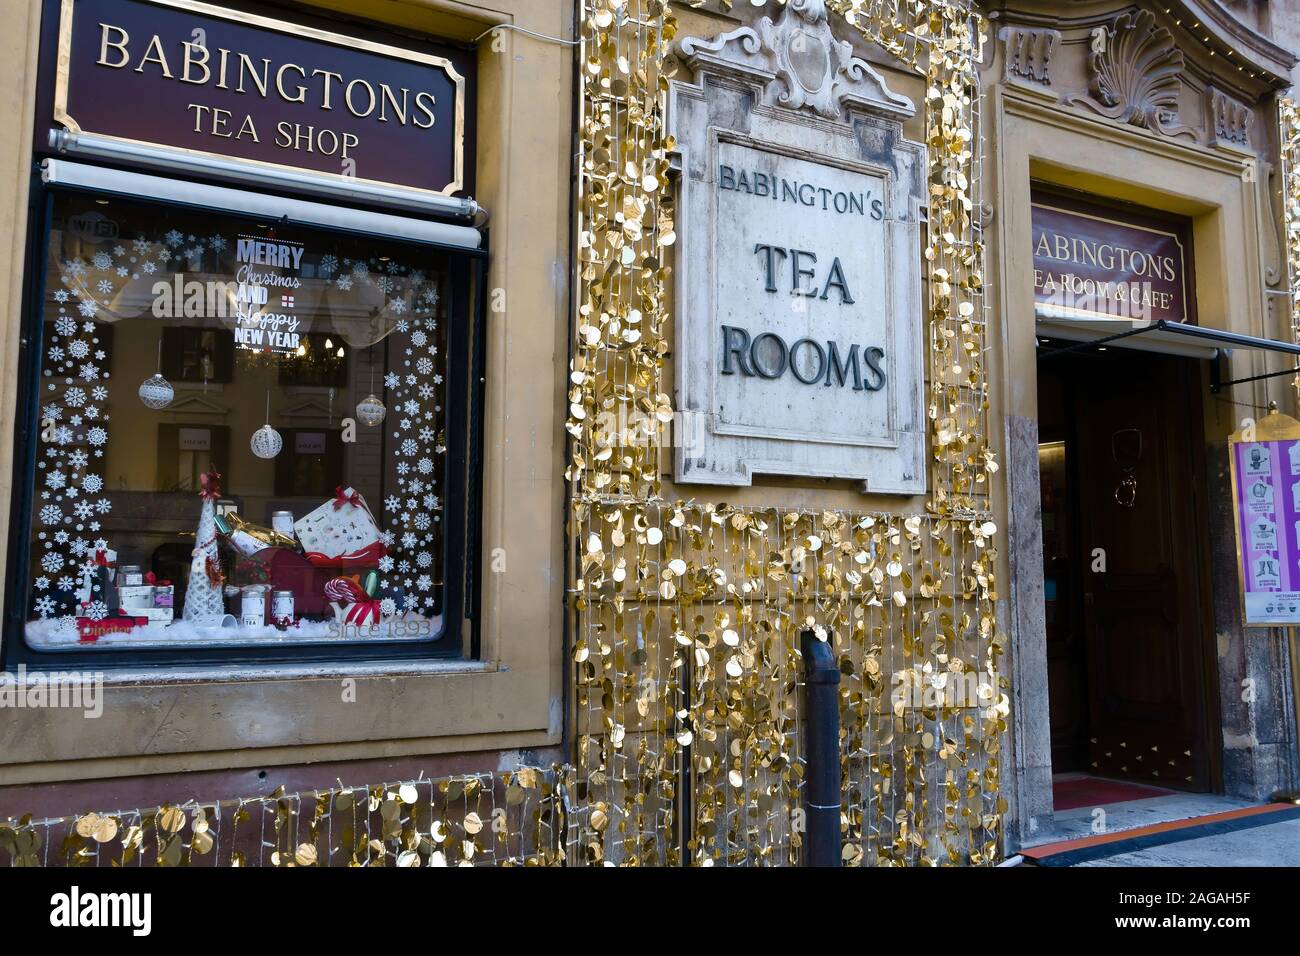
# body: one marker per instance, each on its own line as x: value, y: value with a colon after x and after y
x: 1130, y: 641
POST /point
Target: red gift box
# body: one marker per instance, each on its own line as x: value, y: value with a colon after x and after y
x: 90, y: 630
x: 286, y: 570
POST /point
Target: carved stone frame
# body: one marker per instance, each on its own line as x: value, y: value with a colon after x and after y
x: 744, y: 89
x: 1042, y: 143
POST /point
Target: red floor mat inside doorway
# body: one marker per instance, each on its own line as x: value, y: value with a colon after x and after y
x: 1097, y: 792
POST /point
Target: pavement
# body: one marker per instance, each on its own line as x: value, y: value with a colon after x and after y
x: 1276, y: 844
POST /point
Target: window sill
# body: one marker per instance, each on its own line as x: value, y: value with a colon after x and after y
x: 243, y: 674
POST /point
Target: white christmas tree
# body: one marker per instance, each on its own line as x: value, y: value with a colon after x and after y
x: 204, y: 604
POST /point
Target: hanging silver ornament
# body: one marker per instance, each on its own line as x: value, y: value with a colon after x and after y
x: 156, y: 392
x: 371, y: 410
x: 266, y: 442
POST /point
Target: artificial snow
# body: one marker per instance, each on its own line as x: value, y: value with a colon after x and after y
x: 62, y: 632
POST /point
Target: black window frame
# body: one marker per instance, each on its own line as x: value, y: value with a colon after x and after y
x: 466, y: 334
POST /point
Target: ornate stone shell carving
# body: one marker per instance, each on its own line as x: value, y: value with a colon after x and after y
x: 801, y: 64
x: 1136, y: 74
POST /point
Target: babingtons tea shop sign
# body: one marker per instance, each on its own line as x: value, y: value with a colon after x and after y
x: 237, y: 85
x: 1088, y: 266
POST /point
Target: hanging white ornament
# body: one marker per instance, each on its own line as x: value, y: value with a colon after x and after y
x: 156, y: 392
x: 266, y: 442
x: 371, y: 410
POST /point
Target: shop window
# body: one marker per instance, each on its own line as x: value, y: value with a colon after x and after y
x: 187, y: 452
x: 318, y: 361
x: 195, y: 354
x: 241, y: 435
x: 309, y: 464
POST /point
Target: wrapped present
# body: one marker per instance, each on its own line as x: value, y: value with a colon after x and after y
x: 164, y: 592
x: 90, y: 630
x: 97, y: 576
x: 154, y: 615
x: 135, y: 597
x: 286, y: 570
x: 341, y: 533
x: 248, y: 538
x: 352, y: 605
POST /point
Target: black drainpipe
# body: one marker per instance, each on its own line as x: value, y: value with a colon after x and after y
x: 821, y: 842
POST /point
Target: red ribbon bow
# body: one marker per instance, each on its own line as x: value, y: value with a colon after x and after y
x: 101, y: 559
x: 210, y: 485
x: 151, y: 579
x: 348, y: 496
x: 356, y: 606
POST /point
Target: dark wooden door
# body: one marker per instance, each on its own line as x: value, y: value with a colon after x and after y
x: 1139, y: 481
x: 1067, y: 659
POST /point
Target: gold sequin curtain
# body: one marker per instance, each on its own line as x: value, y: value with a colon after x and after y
x: 510, y: 819
x: 687, y: 615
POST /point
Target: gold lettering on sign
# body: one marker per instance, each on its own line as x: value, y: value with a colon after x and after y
x: 279, y: 83
x: 370, y: 93
x: 246, y: 64
x: 325, y: 97
x: 225, y: 59
x: 120, y: 46
x: 1105, y: 255
x: 386, y: 97
x: 286, y: 101
x: 248, y: 128
x: 190, y: 61
x: 425, y: 107
x: 362, y: 98
x: 154, y: 54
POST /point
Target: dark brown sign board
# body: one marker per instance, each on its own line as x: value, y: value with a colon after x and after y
x: 227, y: 83
x: 1088, y: 265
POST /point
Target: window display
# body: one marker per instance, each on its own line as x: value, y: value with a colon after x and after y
x: 239, y: 430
